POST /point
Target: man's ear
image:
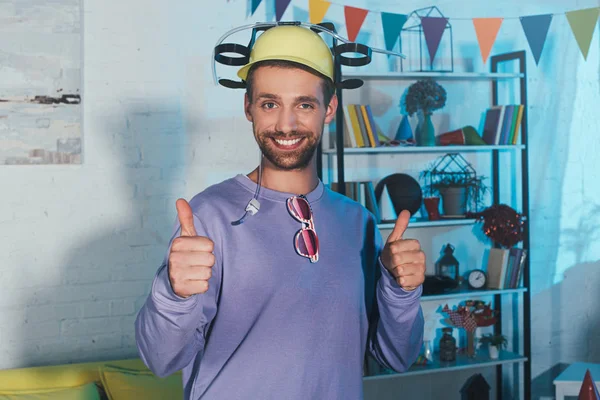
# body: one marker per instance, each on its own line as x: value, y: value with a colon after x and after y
x: 247, y: 105
x: 331, y: 109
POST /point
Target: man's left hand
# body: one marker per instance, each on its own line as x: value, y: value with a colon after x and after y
x: 403, y: 257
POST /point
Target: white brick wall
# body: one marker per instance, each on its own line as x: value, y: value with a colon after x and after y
x: 80, y: 244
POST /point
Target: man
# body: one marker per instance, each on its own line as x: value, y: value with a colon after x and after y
x: 286, y: 304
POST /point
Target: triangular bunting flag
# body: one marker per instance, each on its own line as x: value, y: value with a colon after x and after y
x: 254, y: 5
x: 354, y: 20
x: 392, y: 25
x: 536, y: 28
x: 300, y: 14
x: 269, y: 10
x: 317, y: 10
x: 486, y: 30
x: 582, y: 24
x: 433, y: 29
x: 280, y: 7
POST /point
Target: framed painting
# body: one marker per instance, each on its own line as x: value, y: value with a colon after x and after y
x: 40, y: 82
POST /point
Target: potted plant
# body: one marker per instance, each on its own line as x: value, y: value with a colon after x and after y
x: 424, y: 97
x: 458, y: 189
x: 495, y: 342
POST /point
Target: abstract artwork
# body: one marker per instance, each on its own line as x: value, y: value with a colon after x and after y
x: 40, y: 82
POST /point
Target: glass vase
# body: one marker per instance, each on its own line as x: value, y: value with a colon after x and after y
x: 425, y: 133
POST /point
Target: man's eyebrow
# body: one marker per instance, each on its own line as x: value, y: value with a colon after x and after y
x: 307, y: 99
x: 299, y: 99
x: 271, y: 96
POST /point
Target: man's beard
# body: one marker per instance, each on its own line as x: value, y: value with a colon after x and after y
x: 288, y: 160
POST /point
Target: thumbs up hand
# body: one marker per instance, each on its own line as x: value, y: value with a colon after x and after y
x: 403, y: 258
x: 190, y: 258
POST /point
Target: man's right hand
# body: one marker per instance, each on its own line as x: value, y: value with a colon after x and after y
x: 191, y: 258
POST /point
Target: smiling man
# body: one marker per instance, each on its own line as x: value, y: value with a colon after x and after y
x: 286, y: 304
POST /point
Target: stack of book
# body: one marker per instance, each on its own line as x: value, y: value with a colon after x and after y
x: 502, y: 123
x: 361, y: 129
x: 362, y: 192
x: 505, y: 268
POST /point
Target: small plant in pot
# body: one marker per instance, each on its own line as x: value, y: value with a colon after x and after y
x: 495, y: 343
x: 456, y: 183
x: 457, y: 191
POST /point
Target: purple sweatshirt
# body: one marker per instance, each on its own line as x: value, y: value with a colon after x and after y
x: 273, y: 325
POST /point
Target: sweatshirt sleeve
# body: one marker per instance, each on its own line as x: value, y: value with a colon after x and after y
x: 170, y: 330
x: 397, y: 324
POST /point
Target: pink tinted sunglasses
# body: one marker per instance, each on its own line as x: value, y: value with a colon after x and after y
x: 306, y: 240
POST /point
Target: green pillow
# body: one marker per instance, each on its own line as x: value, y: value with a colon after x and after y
x: 84, y: 392
x: 125, y: 384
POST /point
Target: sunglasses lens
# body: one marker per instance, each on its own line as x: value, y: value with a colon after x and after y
x: 301, y: 208
x: 307, y: 242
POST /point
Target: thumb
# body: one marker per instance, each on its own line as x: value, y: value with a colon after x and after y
x: 186, y: 218
x: 400, y: 226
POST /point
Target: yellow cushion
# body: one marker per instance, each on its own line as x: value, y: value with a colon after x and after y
x: 59, y: 376
x: 125, y: 384
x: 84, y: 392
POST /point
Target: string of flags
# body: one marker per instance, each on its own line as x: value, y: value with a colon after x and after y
x: 535, y: 27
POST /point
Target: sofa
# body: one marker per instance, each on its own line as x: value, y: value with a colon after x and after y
x: 113, y: 380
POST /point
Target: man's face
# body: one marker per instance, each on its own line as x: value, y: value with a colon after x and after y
x: 288, y: 114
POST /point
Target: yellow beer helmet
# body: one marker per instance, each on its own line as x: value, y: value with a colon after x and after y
x: 291, y: 43
x: 294, y: 41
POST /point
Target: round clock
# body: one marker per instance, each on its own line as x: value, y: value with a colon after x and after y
x: 477, y: 279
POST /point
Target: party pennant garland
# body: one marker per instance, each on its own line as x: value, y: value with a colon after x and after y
x: 392, y: 25
x: 317, y: 10
x: 582, y: 24
x: 535, y: 27
x: 280, y: 7
x: 354, y: 20
x: 433, y: 29
x: 254, y: 4
x: 486, y: 30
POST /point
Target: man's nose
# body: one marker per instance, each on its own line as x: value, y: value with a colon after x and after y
x: 287, y: 121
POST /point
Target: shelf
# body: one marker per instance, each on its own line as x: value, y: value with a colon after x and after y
x: 470, y: 293
x: 423, y: 149
x: 424, y: 223
x: 436, y: 75
x: 462, y: 362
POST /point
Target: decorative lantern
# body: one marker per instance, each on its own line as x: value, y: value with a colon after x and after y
x: 447, y: 265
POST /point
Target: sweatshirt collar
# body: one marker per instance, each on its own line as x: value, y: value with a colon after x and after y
x: 312, y: 196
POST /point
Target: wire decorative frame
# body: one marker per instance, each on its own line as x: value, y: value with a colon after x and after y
x: 453, y: 169
x: 413, y: 27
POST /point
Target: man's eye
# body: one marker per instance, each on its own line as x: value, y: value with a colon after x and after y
x: 306, y: 106
x: 268, y: 105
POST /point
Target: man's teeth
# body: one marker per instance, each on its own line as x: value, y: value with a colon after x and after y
x: 288, y: 142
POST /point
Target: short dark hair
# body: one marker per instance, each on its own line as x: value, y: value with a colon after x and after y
x: 326, y: 83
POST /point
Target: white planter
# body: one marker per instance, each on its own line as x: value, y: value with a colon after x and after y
x: 493, y: 351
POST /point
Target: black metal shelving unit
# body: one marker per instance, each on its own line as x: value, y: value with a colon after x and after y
x: 495, y: 62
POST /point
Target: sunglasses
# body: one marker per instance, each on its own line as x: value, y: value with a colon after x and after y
x: 305, y: 240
